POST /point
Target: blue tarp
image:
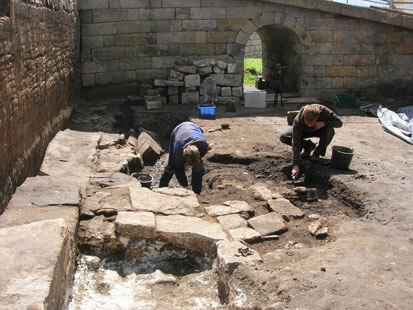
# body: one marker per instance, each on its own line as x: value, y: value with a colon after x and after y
x: 392, y: 122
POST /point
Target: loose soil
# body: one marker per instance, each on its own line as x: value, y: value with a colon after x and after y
x: 365, y: 262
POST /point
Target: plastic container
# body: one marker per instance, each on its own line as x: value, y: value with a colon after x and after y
x: 206, y: 111
x: 341, y: 157
x: 255, y: 99
x: 346, y: 101
x: 144, y: 178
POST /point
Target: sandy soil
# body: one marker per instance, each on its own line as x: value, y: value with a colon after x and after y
x: 366, y: 261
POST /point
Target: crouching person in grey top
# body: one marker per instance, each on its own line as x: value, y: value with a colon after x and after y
x: 187, y: 147
x: 313, y: 120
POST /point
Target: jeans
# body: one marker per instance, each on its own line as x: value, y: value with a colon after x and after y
x: 325, y: 134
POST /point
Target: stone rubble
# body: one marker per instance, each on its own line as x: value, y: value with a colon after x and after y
x: 110, y: 211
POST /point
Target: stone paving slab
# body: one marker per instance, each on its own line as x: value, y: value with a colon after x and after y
x: 233, y: 253
x: 244, y: 233
x: 232, y: 221
x: 16, y: 215
x: 47, y: 191
x: 285, y: 208
x: 143, y: 199
x: 190, y: 232
x: 36, y: 265
x: 135, y: 224
x: 270, y: 223
x: 60, y: 158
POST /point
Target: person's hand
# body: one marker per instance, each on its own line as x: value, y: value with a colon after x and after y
x: 319, y: 125
x: 295, y: 171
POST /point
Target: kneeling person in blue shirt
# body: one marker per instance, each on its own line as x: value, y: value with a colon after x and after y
x: 187, y: 147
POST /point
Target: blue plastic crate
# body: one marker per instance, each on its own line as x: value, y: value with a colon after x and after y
x: 206, y: 111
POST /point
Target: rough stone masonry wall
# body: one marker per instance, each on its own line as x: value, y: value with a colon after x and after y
x: 38, y: 52
x: 253, y: 49
x: 129, y: 41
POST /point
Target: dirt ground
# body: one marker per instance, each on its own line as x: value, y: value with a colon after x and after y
x: 366, y: 261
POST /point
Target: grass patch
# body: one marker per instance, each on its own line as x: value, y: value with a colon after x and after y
x: 252, y: 68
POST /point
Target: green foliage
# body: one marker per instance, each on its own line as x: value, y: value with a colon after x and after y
x: 252, y: 68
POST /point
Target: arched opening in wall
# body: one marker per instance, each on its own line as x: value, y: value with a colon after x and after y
x: 252, y: 59
x: 5, y: 8
x: 281, y: 58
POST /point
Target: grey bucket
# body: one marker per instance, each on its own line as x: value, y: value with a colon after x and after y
x: 341, y: 157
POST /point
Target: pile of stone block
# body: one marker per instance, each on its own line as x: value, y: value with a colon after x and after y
x: 201, y: 81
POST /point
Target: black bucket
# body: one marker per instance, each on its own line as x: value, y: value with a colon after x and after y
x: 341, y: 157
x: 144, y: 178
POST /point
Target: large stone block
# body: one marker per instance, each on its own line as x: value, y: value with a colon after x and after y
x: 154, y: 14
x: 176, y: 37
x: 110, y: 78
x: 192, y: 80
x: 196, y: 49
x: 221, y: 36
x: 92, y: 4
x: 227, y: 79
x: 243, y: 12
x: 231, y: 24
x: 130, y: 4
x: 190, y: 98
x: 160, y: 26
x: 109, y: 15
x: 197, y: 25
x: 92, y: 42
x: 131, y: 39
x: 149, y: 149
x: 98, y: 29
x: 207, y: 13
x: 164, y: 62
x: 135, y: 63
x: 180, y: 3
x: 341, y: 71
x: 133, y: 26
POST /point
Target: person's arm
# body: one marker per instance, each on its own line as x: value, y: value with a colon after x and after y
x: 181, y: 177
x: 330, y: 118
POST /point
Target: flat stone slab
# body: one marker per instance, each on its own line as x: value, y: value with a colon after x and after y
x: 270, y: 223
x: 232, y: 221
x: 220, y: 210
x: 260, y: 192
x: 107, y: 201
x: 135, y: 224
x: 244, y: 233
x: 61, y: 159
x: 16, y: 215
x: 143, y: 199
x: 98, y: 234
x: 47, y: 191
x: 285, y: 208
x: 189, y: 232
x: 239, y: 205
x: 233, y: 253
x: 36, y: 265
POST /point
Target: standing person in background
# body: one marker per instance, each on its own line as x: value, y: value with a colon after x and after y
x: 313, y: 120
x: 187, y: 147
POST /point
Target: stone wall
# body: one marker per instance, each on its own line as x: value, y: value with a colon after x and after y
x: 324, y: 49
x: 38, y: 56
x: 253, y: 48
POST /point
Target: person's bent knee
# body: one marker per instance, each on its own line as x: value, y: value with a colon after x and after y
x: 285, y: 139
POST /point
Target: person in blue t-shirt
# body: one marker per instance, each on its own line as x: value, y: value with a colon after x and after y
x: 187, y: 147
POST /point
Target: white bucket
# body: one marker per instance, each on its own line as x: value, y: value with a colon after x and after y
x: 255, y: 99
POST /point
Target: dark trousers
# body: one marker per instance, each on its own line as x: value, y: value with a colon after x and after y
x: 325, y: 134
x: 196, y: 179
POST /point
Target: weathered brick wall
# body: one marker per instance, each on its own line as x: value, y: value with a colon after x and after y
x: 253, y: 48
x: 38, y: 55
x: 128, y: 41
